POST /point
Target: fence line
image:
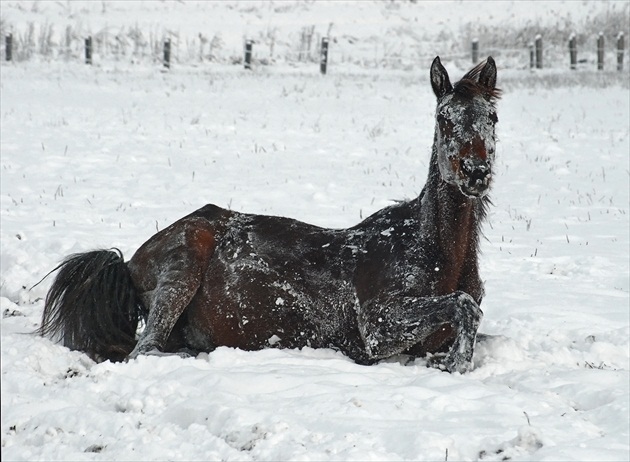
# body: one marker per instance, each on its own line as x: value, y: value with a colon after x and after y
x: 536, y: 51
x: 320, y: 55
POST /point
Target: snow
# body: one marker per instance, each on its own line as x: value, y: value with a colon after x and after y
x: 103, y: 156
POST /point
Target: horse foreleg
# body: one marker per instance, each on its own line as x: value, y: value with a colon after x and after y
x: 397, y: 324
x: 175, y: 262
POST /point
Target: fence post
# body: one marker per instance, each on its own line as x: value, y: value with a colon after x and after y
x: 620, y: 47
x: 8, y: 47
x: 248, y: 53
x: 600, y: 52
x: 539, y: 52
x: 531, y: 55
x: 167, y: 53
x: 88, y: 50
x: 323, y: 61
x: 573, y: 51
x: 475, y: 51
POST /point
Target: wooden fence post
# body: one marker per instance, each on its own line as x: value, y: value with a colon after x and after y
x: 88, y: 50
x: 539, y: 52
x: 248, y: 53
x: 620, y: 47
x: 323, y: 61
x: 531, y: 55
x: 600, y: 52
x: 8, y: 47
x: 573, y: 51
x: 167, y: 53
x: 475, y: 51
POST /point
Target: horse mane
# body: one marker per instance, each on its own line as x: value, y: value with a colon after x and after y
x: 470, y: 87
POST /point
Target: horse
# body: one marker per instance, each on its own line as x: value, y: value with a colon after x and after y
x: 404, y: 281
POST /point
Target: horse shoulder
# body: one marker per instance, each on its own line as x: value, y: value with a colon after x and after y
x: 389, y: 238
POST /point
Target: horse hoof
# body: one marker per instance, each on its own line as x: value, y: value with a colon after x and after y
x: 448, y: 363
x: 187, y: 353
x: 183, y: 353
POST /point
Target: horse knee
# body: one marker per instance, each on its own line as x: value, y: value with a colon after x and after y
x: 466, y: 318
x: 467, y: 312
x: 460, y: 317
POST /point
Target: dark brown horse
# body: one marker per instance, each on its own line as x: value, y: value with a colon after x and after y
x: 404, y: 281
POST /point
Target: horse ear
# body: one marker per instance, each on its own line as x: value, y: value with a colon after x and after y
x: 488, y: 75
x: 439, y: 78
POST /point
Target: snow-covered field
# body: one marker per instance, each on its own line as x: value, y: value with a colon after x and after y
x: 103, y: 156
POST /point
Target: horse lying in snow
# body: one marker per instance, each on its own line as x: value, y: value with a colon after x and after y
x: 403, y: 281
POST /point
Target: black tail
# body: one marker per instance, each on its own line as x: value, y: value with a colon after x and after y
x: 93, y: 305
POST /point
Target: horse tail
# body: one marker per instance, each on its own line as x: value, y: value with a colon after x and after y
x: 93, y: 305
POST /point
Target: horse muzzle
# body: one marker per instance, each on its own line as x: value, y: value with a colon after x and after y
x: 475, y: 177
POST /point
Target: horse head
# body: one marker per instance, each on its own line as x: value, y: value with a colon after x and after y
x: 465, y: 126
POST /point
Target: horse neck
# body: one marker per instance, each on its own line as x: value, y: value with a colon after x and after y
x: 450, y: 224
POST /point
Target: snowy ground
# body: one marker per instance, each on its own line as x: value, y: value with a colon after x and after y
x: 104, y: 156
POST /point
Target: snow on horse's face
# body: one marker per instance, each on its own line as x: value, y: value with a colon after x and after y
x: 465, y: 127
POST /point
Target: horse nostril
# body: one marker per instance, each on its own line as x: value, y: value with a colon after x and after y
x: 480, y: 173
x: 475, y: 170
